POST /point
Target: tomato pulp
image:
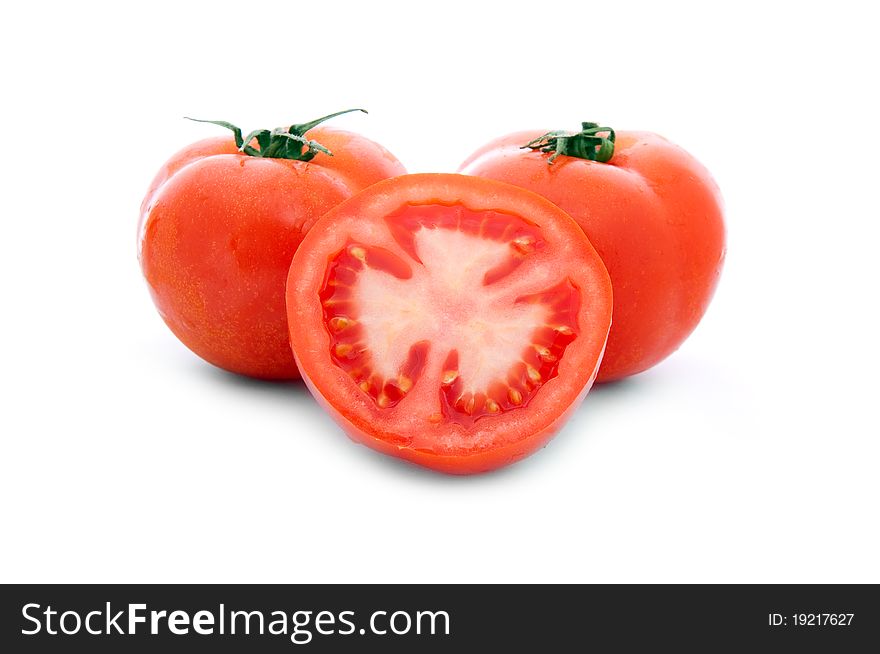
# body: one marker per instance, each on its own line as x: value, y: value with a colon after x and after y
x: 653, y: 213
x: 451, y: 321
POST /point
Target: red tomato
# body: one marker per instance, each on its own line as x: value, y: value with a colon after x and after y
x: 448, y: 320
x: 652, y: 212
x: 219, y: 228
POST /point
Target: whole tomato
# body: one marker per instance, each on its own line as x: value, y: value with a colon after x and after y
x: 221, y: 222
x: 653, y: 213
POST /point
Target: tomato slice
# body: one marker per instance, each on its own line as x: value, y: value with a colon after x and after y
x: 452, y: 321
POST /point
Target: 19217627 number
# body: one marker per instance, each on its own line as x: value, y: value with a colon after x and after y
x: 822, y: 619
x: 810, y: 619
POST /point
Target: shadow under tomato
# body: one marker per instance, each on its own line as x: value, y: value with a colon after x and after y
x: 619, y: 387
x: 296, y: 394
x: 281, y: 388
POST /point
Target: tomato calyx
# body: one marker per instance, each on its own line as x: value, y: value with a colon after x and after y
x: 281, y: 142
x: 593, y: 142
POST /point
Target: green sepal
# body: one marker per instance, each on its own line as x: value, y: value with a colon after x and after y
x: 281, y: 142
x: 586, y: 144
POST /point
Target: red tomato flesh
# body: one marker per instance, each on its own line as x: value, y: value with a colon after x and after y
x: 451, y: 321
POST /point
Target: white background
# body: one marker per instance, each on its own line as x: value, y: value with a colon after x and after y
x: 751, y: 455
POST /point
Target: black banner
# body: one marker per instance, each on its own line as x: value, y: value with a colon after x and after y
x: 438, y: 618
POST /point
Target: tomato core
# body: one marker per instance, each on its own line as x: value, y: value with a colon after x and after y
x: 462, y: 296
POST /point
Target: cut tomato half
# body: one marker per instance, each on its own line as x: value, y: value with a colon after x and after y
x: 448, y: 320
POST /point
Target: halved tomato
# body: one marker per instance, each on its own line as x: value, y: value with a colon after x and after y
x: 449, y: 320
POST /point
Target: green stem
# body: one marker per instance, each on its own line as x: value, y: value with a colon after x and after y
x: 589, y: 143
x: 281, y: 142
x: 305, y: 127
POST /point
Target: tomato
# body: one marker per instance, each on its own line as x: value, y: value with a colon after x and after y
x: 452, y: 321
x: 653, y: 213
x: 219, y: 227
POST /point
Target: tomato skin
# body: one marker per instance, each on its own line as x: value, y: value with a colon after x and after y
x: 361, y: 161
x: 526, y: 428
x: 218, y: 230
x: 655, y: 216
x: 192, y: 152
x: 452, y: 464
